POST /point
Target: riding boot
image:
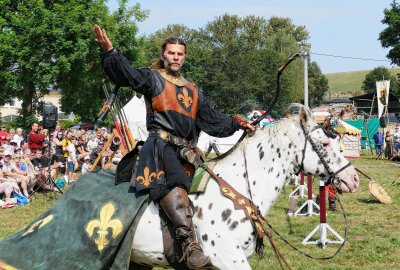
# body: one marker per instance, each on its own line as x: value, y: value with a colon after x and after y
x: 332, y: 203
x: 177, y: 207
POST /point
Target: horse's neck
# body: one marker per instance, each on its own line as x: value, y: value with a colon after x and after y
x: 269, y: 157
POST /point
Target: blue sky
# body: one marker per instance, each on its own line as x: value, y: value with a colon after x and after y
x: 342, y: 28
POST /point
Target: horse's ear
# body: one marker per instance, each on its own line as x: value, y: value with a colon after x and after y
x: 304, y: 114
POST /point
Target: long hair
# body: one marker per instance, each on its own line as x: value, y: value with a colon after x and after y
x: 159, y: 62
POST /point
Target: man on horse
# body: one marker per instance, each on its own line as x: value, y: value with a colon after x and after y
x: 176, y: 113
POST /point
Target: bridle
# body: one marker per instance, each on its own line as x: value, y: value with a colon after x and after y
x: 332, y: 176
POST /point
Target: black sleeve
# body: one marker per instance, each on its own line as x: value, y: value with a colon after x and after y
x: 118, y: 69
x: 213, y: 122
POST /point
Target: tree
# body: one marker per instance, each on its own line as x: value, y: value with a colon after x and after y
x: 378, y: 74
x: 317, y: 84
x: 389, y: 37
x: 48, y: 45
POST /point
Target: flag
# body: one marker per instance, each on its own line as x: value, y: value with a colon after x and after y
x: 382, y: 90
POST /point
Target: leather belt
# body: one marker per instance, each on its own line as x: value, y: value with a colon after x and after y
x: 169, y: 138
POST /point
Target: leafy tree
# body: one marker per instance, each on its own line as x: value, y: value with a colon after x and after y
x: 317, y: 84
x: 48, y: 45
x: 389, y: 37
x: 377, y: 74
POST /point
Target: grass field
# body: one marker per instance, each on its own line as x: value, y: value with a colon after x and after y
x: 373, y: 238
x: 350, y: 81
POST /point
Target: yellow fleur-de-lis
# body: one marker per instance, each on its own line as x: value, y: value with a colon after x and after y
x: 38, y: 224
x: 105, y: 222
x: 159, y: 174
x: 185, y: 98
x: 147, y: 177
x: 228, y: 192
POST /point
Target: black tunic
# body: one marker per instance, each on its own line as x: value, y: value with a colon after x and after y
x: 176, y: 107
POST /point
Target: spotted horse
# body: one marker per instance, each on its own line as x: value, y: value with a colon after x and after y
x: 260, y: 166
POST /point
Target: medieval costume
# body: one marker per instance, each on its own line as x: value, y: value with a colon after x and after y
x: 176, y: 113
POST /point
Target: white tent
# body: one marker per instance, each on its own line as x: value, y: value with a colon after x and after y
x: 223, y: 144
x: 135, y: 111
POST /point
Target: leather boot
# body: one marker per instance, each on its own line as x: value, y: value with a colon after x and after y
x: 177, y: 207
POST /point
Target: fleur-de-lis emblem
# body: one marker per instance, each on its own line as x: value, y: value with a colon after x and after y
x: 228, y: 192
x: 147, y: 177
x: 103, y: 224
x: 38, y: 224
x: 185, y: 98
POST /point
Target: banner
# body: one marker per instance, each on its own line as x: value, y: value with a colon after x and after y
x: 382, y: 90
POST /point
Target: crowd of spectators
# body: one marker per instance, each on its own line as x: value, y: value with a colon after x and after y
x: 27, y: 160
x: 388, y: 144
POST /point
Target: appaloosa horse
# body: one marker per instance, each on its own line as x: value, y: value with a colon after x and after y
x: 271, y: 154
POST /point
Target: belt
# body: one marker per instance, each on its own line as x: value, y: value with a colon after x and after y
x: 168, y: 137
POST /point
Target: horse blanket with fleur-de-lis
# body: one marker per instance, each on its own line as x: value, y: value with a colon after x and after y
x: 89, y: 227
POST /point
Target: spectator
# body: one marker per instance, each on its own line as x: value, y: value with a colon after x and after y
x: 86, y: 164
x: 35, y: 139
x: 378, y: 139
x: 72, y: 159
x: 92, y: 143
x: 7, y: 186
x: 14, y: 174
x: 389, y: 145
x: 212, y: 145
x: 10, y: 134
x: 65, y: 143
x: 3, y: 135
x: 396, y: 141
x: 42, y: 163
x: 58, y: 148
x: 18, y: 137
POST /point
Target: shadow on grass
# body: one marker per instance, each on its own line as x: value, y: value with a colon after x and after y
x: 368, y: 201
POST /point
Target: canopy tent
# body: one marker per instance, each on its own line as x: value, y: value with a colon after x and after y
x: 135, y: 111
x: 223, y: 144
x: 350, y: 139
x: 370, y: 125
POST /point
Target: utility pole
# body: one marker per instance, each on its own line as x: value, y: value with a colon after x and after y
x: 306, y: 78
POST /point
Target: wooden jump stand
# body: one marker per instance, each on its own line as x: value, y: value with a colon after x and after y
x: 111, y: 138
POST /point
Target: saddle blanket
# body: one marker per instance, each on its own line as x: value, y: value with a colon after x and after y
x: 89, y: 227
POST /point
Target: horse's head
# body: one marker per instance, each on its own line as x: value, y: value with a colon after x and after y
x: 320, y: 156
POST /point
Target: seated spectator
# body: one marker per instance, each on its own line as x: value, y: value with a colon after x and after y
x: 3, y: 135
x: 18, y: 137
x: 6, y: 186
x: 14, y: 174
x: 86, y: 164
x: 42, y: 163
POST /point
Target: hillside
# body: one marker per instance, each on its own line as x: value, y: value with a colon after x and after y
x: 350, y: 82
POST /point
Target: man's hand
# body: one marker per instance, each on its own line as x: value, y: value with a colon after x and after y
x: 101, y: 38
x: 244, y: 124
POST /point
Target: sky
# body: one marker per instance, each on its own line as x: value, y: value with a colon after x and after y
x: 339, y: 28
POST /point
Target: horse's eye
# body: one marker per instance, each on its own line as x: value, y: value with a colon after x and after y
x: 325, y: 144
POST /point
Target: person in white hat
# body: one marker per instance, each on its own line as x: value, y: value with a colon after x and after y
x: 86, y: 164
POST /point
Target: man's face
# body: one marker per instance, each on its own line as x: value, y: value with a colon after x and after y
x: 35, y: 127
x: 174, y: 57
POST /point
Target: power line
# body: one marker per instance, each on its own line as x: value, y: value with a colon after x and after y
x: 350, y: 57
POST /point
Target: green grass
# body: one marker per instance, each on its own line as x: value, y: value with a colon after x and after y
x: 373, y: 231
x: 350, y: 81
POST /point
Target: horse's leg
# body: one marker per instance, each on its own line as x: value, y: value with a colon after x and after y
x: 135, y: 266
